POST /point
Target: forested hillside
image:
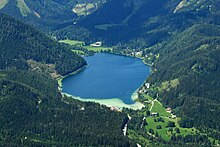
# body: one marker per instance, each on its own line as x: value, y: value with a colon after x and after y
x: 180, y: 39
x: 32, y: 113
x: 150, y: 21
x: 32, y: 110
x: 20, y: 43
x: 192, y: 60
x: 48, y: 16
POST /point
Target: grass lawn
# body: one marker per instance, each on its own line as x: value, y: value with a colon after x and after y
x: 164, y: 131
x: 148, y: 97
x: 153, y: 125
x: 160, y: 109
x: 72, y: 42
x: 97, y: 49
x: 81, y: 44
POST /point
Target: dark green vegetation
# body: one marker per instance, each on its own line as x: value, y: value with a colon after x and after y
x: 154, y: 126
x: 179, y: 38
x: 34, y: 114
x: 41, y: 13
x: 20, y: 43
x: 187, y: 76
x: 47, y: 15
x: 32, y: 110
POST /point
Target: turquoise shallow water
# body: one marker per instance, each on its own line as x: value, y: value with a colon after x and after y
x: 107, y: 76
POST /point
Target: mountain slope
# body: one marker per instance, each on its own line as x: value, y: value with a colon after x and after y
x: 152, y: 20
x: 47, y: 15
x: 32, y: 110
x: 31, y: 44
x: 191, y: 59
x: 34, y: 114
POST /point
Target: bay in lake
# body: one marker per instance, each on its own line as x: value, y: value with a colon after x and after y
x: 107, y: 76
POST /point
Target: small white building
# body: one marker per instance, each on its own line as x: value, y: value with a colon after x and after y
x: 138, y: 53
x: 147, y: 85
x: 154, y: 114
x: 96, y: 44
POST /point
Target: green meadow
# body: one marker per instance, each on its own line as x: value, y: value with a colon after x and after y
x: 72, y: 42
x: 88, y: 47
x: 160, y: 123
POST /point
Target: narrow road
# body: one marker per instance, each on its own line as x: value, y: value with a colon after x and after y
x: 126, y: 126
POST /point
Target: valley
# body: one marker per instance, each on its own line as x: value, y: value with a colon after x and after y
x: 110, y: 73
x: 159, y: 121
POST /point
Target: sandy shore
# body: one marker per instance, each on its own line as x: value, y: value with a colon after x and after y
x: 111, y: 102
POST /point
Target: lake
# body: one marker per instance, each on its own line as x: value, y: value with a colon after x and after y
x: 107, y: 76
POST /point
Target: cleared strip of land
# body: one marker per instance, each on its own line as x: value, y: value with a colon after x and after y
x: 3, y: 3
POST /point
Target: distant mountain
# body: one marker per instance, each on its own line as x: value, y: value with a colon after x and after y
x: 48, y: 15
x: 152, y: 20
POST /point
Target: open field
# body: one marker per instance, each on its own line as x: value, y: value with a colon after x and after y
x: 97, y: 49
x: 3, y: 3
x: 166, y: 132
x: 159, y: 123
x: 160, y: 109
x: 24, y: 9
x: 84, y: 9
x: 81, y: 44
x: 72, y: 42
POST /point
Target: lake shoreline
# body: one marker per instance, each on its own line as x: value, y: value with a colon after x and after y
x: 72, y: 73
x: 110, y: 102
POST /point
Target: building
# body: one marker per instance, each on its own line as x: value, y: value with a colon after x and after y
x: 96, y: 44
x: 147, y: 85
x: 173, y: 116
x: 138, y: 53
x: 154, y: 114
x: 169, y: 110
x: 115, y: 109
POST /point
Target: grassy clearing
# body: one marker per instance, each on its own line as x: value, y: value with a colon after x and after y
x: 103, y: 26
x: 81, y: 44
x: 166, y: 132
x: 72, y: 42
x: 148, y: 97
x: 84, y: 9
x: 97, y: 49
x: 160, y: 109
x: 3, y: 3
x: 162, y: 120
x: 24, y: 9
x: 169, y: 84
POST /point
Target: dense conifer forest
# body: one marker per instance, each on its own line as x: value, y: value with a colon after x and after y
x: 179, y: 39
x: 32, y: 110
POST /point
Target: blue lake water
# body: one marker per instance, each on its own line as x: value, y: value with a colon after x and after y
x: 107, y: 76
